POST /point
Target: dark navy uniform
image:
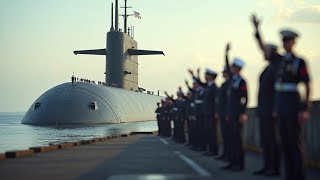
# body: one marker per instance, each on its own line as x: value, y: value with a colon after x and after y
x: 224, y: 125
x: 271, y: 154
x: 158, y: 113
x: 182, y: 120
x: 209, y: 110
x: 191, y: 118
x: 166, y: 120
x: 237, y: 97
x: 200, y: 119
x: 292, y: 71
x: 178, y: 111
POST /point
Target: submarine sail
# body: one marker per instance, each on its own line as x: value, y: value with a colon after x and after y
x: 116, y: 100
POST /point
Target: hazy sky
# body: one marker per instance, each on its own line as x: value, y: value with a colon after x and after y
x: 37, y: 39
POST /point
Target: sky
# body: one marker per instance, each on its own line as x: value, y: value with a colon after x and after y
x: 37, y: 40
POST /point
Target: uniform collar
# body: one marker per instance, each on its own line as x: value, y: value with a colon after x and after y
x: 235, y: 76
x: 288, y: 56
x: 210, y: 83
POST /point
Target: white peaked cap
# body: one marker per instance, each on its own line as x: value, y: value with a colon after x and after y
x: 238, y: 62
x: 212, y: 72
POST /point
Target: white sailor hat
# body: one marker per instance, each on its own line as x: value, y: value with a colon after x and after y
x: 238, y: 62
x: 271, y: 46
x: 286, y: 33
x: 211, y: 72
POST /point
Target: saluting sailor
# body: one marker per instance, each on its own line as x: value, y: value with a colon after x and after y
x: 291, y: 111
x: 236, y: 114
x: 209, y: 110
x: 222, y: 109
x: 198, y: 109
x: 158, y: 113
x: 271, y: 154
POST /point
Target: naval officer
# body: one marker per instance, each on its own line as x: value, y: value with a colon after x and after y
x: 197, y: 105
x: 222, y: 109
x: 191, y: 117
x: 158, y: 113
x: 236, y: 114
x: 271, y: 154
x: 210, y: 111
x: 290, y: 110
x: 209, y: 125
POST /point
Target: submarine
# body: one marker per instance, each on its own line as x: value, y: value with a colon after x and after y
x: 117, y: 100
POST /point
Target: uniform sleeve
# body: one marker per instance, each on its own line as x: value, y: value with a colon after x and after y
x: 243, y: 93
x: 303, y: 72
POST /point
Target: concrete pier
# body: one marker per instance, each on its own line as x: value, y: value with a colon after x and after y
x: 140, y: 156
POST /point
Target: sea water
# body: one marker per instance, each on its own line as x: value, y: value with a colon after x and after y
x: 17, y: 136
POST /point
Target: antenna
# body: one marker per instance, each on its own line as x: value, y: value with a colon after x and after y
x: 112, y: 28
x: 117, y: 16
x: 125, y: 16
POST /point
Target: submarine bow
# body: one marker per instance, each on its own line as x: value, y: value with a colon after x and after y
x: 85, y: 103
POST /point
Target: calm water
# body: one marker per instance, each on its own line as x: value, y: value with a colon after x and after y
x: 15, y: 136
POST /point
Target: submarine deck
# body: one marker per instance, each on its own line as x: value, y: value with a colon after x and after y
x: 135, y: 157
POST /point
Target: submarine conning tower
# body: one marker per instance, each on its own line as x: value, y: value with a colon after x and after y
x: 121, y: 53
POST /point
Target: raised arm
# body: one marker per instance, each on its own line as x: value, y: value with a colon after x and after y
x: 228, y: 47
x: 256, y: 24
x: 188, y: 86
x: 170, y: 97
x: 197, y: 77
x: 183, y: 96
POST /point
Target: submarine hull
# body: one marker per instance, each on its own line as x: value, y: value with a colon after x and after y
x: 86, y: 103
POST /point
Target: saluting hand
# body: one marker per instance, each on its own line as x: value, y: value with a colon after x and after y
x: 186, y: 83
x: 255, y: 21
x: 228, y: 47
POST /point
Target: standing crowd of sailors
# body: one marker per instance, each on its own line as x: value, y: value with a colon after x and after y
x: 281, y: 109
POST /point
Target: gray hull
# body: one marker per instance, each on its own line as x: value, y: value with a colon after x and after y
x: 85, y: 103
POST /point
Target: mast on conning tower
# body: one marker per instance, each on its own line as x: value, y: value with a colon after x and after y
x: 112, y: 28
x: 117, y: 17
x: 125, y: 16
x: 121, y: 54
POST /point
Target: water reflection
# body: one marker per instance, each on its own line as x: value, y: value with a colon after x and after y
x: 14, y: 135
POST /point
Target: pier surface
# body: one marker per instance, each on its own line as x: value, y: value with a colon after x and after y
x: 143, y: 157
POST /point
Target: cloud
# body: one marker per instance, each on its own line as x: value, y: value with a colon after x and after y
x: 299, y: 11
x: 305, y: 15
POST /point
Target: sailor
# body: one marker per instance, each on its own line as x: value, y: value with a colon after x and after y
x: 168, y: 118
x: 290, y: 110
x: 271, y: 154
x: 181, y: 116
x: 158, y: 113
x: 177, y: 107
x: 209, y: 126
x: 221, y: 112
x: 73, y: 79
x: 198, y: 120
x: 236, y: 114
x: 222, y: 109
x: 191, y: 117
